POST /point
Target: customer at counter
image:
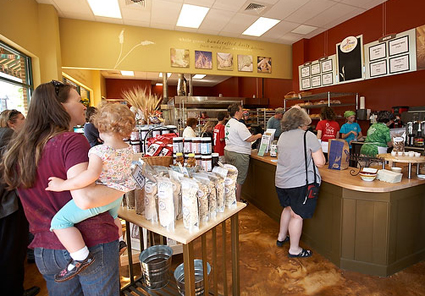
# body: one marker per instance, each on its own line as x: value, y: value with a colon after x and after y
x: 219, y: 141
x: 327, y: 128
x: 290, y: 177
x: 350, y: 131
x: 378, y: 137
x: 274, y: 122
x: 238, y: 145
x: 189, y: 131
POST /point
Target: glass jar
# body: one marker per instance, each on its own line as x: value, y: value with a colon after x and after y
x: 196, y: 145
x: 206, y: 146
x: 188, y: 145
x: 177, y: 144
x: 179, y: 158
x: 215, y: 157
x: 191, y: 161
x: 207, y: 163
x: 198, y: 159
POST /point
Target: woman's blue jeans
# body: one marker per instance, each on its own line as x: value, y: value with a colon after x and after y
x: 99, y: 279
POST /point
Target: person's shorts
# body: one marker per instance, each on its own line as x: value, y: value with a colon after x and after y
x: 240, y: 161
x: 295, y: 198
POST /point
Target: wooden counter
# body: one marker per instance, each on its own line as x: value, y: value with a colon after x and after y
x: 374, y: 227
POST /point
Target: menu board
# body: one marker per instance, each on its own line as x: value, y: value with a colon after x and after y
x: 350, y: 59
x: 393, y: 56
x: 317, y: 74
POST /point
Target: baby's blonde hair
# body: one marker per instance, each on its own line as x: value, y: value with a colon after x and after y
x: 115, y: 118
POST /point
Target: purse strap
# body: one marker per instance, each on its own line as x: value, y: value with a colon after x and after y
x: 305, y: 157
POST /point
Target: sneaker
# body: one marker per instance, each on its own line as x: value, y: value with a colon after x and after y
x: 123, y: 247
x: 79, y: 266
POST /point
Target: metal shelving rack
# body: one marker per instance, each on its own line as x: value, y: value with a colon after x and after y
x: 326, y: 95
x: 263, y: 115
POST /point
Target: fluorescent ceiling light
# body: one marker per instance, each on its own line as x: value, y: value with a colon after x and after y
x: 127, y: 73
x: 304, y: 29
x: 168, y: 74
x: 198, y: 76
x: 158, y: 84
x: 261, y: 26
x: 106, y: 8
x: 191, y: 16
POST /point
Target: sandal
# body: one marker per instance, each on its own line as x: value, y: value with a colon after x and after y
x: 280, y: 243
x: 79, y: 266
x: 303, y: 254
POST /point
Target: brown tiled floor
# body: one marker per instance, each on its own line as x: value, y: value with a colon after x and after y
x: 267, y: 270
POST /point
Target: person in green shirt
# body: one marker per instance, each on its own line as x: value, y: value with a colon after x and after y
x: 378, y: 137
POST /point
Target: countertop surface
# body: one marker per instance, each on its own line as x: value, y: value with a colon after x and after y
x: 344, y: 179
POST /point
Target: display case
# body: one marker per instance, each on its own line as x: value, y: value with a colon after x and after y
x: 331, y: 99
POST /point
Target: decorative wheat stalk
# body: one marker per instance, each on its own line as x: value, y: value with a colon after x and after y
x: 143, y: 100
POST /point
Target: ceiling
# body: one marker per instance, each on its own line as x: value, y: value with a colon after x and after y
x: 227, y: 18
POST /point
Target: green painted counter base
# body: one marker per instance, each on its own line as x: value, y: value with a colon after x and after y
x: 376, y: 233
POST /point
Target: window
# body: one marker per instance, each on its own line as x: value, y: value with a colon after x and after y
x: 16, y: 85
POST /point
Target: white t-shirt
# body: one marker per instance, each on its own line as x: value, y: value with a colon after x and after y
x: 189, y: 132
x: 235, y: 135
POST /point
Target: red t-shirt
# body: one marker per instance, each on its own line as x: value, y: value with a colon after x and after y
x: 219, y: 134
x: 60, y: 154
x: 329, y: 129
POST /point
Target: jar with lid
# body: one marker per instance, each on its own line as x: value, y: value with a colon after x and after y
x: 206, y: 146
x: 206, y: 163
x: 178, y: 144
x: 198, y: 159
x: 215, y: 157
x: 191, y: 161
x: 187, y: 145
x: 196, y: 145
x: 179, y: 158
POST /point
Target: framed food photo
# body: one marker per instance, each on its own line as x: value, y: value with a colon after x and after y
x: 179, y: 58
x: 264, y: 65
x: 245, y: 63
x: 224, y: 61
x: 203, y: 59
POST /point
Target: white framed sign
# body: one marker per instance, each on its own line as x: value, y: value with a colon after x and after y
x: 305, y: 83
x: 378, y: 68
x: 305, y: 71
x: 327, y: 79
x: 315, y: 69
x: 399, y: 64
x: 327, y: 65
x: 316, y: 81
x: 398, y: 45
x: 378, y: 51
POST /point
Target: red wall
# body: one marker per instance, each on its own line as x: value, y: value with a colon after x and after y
x: 381, y: 93
x: 115, y: 87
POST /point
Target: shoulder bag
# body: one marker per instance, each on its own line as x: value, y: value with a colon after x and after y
x: 312, y: 190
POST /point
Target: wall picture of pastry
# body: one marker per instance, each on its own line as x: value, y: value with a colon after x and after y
x: 203, y: 59
x: 224, y: 61
x: 420, y: 47
x: 264, y: 65
x: 245, y: 63
x: 179, y: 58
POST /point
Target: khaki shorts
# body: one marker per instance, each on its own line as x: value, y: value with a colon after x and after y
x: 240, y: 161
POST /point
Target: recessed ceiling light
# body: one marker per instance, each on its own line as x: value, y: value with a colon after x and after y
x: 304, y: 29
x: 106, y: 8
x: 261, y: 26
x: 168, y: 74
x: 198, y: 76
x: 191, y: 16
x: 127, y: 73
x: 158, y: 84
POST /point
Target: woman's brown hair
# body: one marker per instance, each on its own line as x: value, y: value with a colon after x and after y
x: 46, y: 118
x: 327, y: 113
x: 8, y: 115
x: 191, y: 121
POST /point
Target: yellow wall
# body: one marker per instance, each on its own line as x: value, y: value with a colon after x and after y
x: 33, y: 29
x: 90, y: 79
x: 96, y: 45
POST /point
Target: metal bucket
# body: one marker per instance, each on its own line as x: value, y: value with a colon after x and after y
x: 155, y: 262
x: 199, y: 277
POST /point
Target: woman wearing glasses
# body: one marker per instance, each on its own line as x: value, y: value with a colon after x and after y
x: 49, y: 148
